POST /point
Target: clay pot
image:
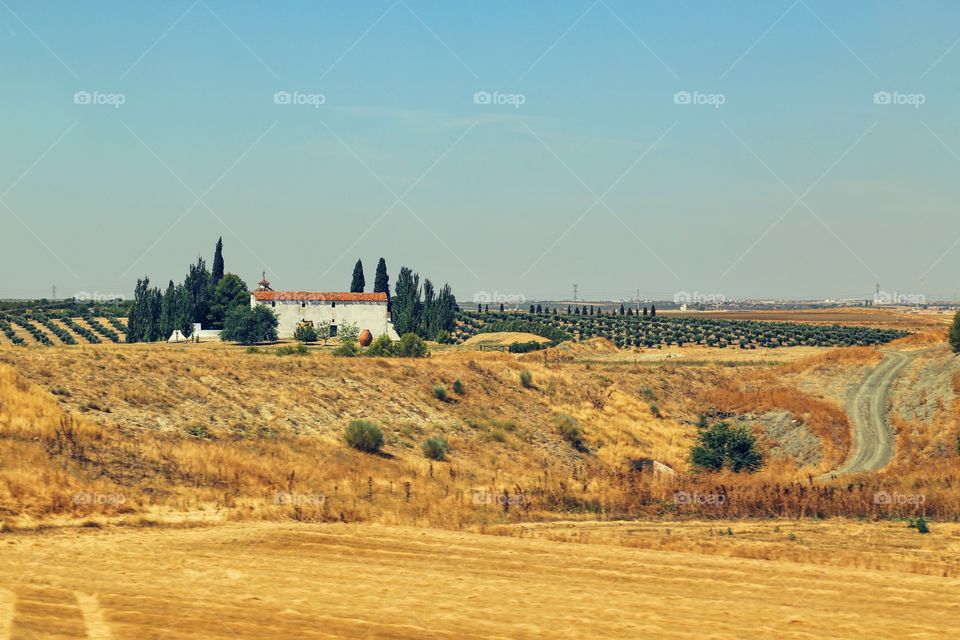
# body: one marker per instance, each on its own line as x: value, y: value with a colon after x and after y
x: 365, y: 338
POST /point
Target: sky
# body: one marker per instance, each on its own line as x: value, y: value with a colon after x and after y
x: 777, y: 148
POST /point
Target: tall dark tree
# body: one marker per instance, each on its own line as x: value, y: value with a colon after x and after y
x: 406, y: 306
x: 653, y: 311
x: 501, y: 307
x: 622, y: 310
x: 153, y: 309
x: 230, y: 292
x: 198, y: 291
x: 955, y: 336
x: 644, y: 312
x: 381, y: 281
x: 217, y: 270
x: 358, y: 282
x: 168, y: 311
x: 137, y: 318
x: 429, y: 319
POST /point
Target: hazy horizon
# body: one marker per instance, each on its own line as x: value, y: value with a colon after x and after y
x: 793, y: 149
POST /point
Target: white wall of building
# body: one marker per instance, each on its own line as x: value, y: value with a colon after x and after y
x: 366, y: 315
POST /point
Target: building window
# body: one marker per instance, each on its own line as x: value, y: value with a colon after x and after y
x: 303, y: 304
x: 333, y: 331
x: 273, y: 303
x: 333, y: 304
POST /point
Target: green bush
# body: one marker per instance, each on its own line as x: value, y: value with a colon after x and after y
x: 381, y: 347
x: 920, y: 524
x: 250, y: 326
x: 435, y: 448
x: 459, y: 389
x: 526, y: 379
x: 411, y: 346
x: 364, y: 436
x: 305, y: 333
x: 347, y: 350
x: 443, y: 336
x: 287, y: 350
x: 569, y: 429
x: 721, y: 445
x: 440, y: 392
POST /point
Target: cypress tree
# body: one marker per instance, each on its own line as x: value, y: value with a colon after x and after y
x: 381, y: 281
x: 501, y: 307
x: 653, y: 310
x: 644, y: 312
x: 168, y: 311
x: 358, y: 282
x: 568, y: 309
x: 217, y: 270
x: 622, y: 310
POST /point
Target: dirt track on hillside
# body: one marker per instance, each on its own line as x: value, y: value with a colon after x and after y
x: 868, y: 405
x: 349, y: 581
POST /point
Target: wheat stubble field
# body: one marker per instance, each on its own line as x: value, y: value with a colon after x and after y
x: 365, y: 580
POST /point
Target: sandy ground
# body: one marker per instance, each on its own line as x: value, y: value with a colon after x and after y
x: 349, y: 581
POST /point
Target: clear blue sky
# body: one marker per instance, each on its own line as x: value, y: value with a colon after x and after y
x: 493, y: 197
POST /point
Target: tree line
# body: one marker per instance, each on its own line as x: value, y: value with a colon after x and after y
x: 422, y: 310
x: 205, y: 297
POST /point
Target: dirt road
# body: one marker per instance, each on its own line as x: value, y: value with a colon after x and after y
x: 868, y: 404
x: 267, y: 580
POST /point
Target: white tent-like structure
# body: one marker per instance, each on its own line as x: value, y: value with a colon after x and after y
x: 177, y: 336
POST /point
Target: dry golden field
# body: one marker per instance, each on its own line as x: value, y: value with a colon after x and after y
x: 205, y: 490
x: 272, y: 580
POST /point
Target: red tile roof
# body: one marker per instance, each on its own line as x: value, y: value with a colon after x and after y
x: 317, y: 296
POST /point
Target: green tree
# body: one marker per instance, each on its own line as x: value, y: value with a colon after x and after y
x: 197, y: 285
x: 406, y: 307
x: 955, y: 333
x: 168, y: 311
x: 381, y: 281
x: 364, y: 435
x: 348, y: 332
x: 305, y: 333
x: 231, y: 291
x: 721, y: 445
x: 217, y: 269
x: 135, y: 319
x: 250, y: 326
x: 358, y: 282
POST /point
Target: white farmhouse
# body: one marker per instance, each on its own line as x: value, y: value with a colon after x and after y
x: 365, y: 310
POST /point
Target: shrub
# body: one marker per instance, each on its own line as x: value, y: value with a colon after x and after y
x: 364, y: 436
x: 440, y: 392
x: 305, y: 333
x: 655, y: 410
x: 459, y: 389
x: 443, y: 336
x: 287, y: 350
x: 249, y: 326
x: 381, y: 347
x: 569, y: 429
x: 435, y: 448
x: 526, y: 379
x: 348, y: 333
x: 411, y: 346
x: 347, y: 350
x: 720, y: 445
x: 920, y: 524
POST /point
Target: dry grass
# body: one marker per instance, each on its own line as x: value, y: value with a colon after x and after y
x: 215, y: 430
